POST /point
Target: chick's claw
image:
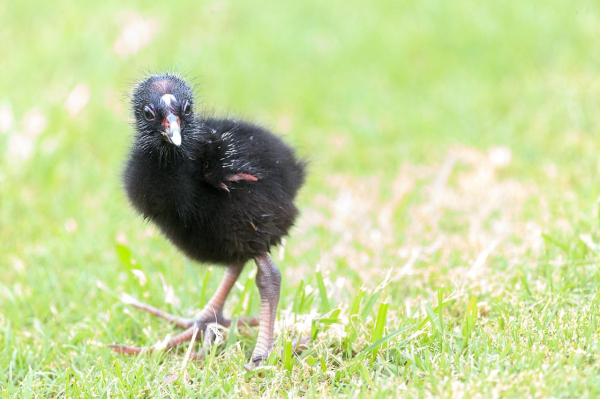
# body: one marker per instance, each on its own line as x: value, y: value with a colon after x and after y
x: 255, y: 363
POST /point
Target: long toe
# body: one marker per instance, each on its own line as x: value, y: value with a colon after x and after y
x: 185, y: 322
x: 242, y: 321
x: 130, y: 350
x: 300, y: 344
x: 191, y: 334
x: 182, y: 322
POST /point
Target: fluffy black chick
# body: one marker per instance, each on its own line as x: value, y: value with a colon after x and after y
x: 221, y: 190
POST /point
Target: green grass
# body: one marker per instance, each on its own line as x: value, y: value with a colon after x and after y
x: 452, y: 205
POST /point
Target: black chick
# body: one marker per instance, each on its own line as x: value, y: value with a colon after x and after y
x: 221, y: 190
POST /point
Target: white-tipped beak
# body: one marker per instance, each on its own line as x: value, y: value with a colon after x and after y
x: 176, y: 137
x: 173, y: 131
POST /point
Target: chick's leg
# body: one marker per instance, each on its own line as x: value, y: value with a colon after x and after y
x: 268, y: 281
x: 211, y: 313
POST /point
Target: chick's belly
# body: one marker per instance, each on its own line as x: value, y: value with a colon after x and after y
x: 222, y: 243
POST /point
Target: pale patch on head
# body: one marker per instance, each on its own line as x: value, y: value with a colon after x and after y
x: 168, y: 99
x: 160, y: 85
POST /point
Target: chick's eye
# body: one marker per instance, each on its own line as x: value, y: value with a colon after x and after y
x: 148, y: 113
x: 187, y: 109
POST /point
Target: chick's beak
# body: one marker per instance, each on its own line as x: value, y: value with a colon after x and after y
x: 172, y: 129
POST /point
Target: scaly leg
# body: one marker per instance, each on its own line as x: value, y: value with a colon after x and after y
x: 268, y: 281
x: 211, y: 313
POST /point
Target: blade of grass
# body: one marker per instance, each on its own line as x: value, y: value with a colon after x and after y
x: 298, y: 298
x: 124, y: 255
x: 379, y: 326
x: 470, y: 318
x: 432, y: 317
x: 556, y: 242
x: 427, y: 318
x: 246, y: 293
x: 369, y: 305
x: 325, y: 305
x: 373, y: 346
x: 288, y: 360
x: 324, y: 322
x: 441, y: 316
x: 355, y: 307
x: 205, y: 284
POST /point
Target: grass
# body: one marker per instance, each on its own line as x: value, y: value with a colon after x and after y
x: 450, y: 233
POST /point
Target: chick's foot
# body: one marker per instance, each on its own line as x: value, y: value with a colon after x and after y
x: 195, y: 328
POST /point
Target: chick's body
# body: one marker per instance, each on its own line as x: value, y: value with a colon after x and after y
x: 208, y: 217
x: 221, y: 190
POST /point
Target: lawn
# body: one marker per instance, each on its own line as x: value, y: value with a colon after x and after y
x: 449, y: 242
